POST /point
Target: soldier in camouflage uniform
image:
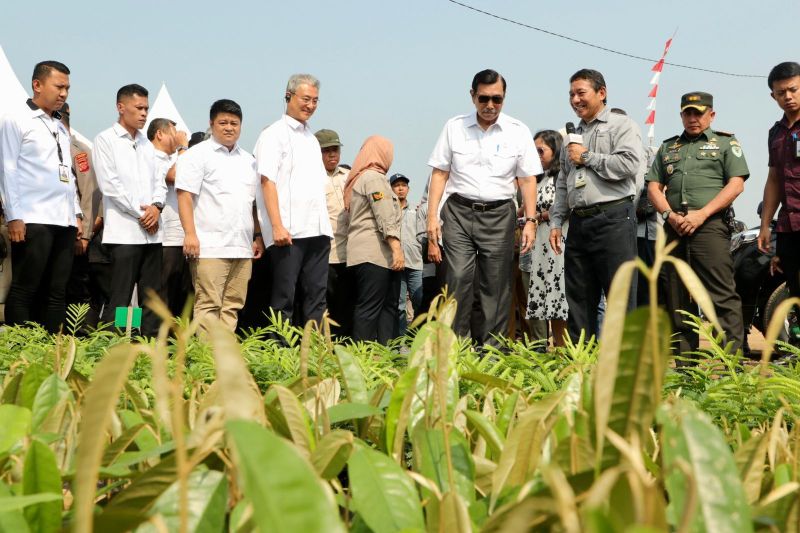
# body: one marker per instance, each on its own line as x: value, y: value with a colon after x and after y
x: 703, y: 171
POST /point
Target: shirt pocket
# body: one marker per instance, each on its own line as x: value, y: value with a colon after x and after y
x: 466, y: 152
x: 504, y: 162
x: 602, y: 142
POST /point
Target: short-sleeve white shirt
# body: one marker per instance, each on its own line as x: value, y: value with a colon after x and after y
x: 288, y: 154
x: 30, y: 179
x: 125, y: 170
x: 224, y: 184
x: 484, y: 164
x: 170, y: 220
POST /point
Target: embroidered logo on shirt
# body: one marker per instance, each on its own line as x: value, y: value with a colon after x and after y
x: 377, y: 196
x: 82, y: 159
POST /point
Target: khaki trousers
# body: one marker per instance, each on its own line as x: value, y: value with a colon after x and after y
x: 220, y: 289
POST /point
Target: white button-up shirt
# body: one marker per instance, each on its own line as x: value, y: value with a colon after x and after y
x: 30, y: 178
x: 170, y: 221
x: 288, y: 154
x: 125, y: 169
x: 484, y: 164
x: 225, y: 184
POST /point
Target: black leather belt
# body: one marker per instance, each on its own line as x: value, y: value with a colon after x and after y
x: 477, y: 206
x: 596, y: 209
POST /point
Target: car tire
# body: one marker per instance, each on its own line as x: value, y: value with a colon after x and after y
x: 780, y: 293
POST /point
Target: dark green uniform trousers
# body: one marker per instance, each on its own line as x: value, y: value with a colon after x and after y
x: 708, y: 254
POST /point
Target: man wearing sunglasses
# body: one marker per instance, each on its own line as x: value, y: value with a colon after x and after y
x: 40, y: 200
x: 477, y: 162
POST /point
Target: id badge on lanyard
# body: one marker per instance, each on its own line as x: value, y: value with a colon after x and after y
x: 796, y: 146
x: 63, y: 173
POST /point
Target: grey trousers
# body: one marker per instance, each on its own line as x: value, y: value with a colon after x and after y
x: 488, y: 238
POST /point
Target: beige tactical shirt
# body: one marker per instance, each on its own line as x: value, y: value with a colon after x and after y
x: 334, y: 194
x: 374, y: 215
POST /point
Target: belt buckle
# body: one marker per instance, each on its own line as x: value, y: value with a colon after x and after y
x: 479, y: 206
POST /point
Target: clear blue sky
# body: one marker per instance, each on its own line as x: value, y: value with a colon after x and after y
x: 401, y: 69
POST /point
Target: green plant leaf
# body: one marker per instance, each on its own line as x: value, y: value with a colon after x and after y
x: 398, y: 411
x: 15, y: 503
x: 33, y: 378
x: 98, y: 405
x: 16, y: 424
x: 297, y: 418
x: 750, y: 463
x: 383, y: 494
x: 120, y: 444
x: 50, y: 401
x: 13, y: 519
x: 488, y: 380
x: 351, y: 411
x: 145, y: 440
x: 354, y: 384
x: 487, y: 430
x: 332, y: 453
x: 291, y: 497
x: 208, y: 503
x: 237, y: 389
x: 430, y: 460
x: 703, y: 484
x: 40, y: 475
x: 131, y: 507
x: 628, y: 382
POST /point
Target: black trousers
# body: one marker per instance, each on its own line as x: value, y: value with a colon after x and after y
x: 788, y: 250
x: 595, y: 248
x: 40, y: 264
x: 176, y: 280
x: 646, y: 250
x: 99, y: 290
x: 139, y: 265
x: 341, y: 303
x: 485, y: 238
x: 306, y: 260
x: 376, y: 312
x: 708, y: 253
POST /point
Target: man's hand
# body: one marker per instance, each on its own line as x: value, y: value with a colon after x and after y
x: 79, y: 227
x: 555, y: 240
x: 81, y: 245
x: 191, y: 246
x: 152, y: 230
x: 692, y: 221
x: 398, y: 260
x: 150, y: 217
x: 16, y: 230
x: 258, y: 248
x: 434, y: 252
x: 183, y: 139
x: 765, y: 240
x: 281, y: 236
x: 434, y: 231
x: 98, y: 225
x: 775, y: 266
x: 528, y: 236
x: 676, y: 221
x: 574, y: 151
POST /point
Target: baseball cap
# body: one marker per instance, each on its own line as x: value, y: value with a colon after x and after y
x: 327, y: 138
x: 397, y: 177
x: 698, y: 100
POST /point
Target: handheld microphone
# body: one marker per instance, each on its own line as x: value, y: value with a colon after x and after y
x: 572, y: 137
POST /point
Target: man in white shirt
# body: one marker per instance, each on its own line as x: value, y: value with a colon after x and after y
x: 133, y: 198
x: 292, y: 210
x: 476, y: 162
x: 168, y: 143
x: 40, y: 200
x: 217, y: 184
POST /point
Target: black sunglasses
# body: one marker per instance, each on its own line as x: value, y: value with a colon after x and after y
x: 495, y: 98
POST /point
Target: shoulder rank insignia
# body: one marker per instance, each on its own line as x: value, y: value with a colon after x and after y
x: 665, y: 141
x: 723, y: 133
x: 377, y: 196
x: 82, y: 159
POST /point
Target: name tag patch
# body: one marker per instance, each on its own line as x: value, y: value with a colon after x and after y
x: 82, y: 160
x: 377, y: 196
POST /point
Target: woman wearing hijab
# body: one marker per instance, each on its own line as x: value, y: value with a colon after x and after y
x: 373, y: 241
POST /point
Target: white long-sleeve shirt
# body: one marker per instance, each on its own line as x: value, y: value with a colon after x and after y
x: 35, y: 185
x: 125, y: 169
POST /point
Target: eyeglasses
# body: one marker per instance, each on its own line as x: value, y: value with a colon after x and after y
x: 307, y: 99
x: 495, y: 98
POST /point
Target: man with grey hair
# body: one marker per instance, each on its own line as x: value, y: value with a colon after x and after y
x: 292, y: 210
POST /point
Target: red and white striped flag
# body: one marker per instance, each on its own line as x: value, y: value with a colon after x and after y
x: 651, y: 107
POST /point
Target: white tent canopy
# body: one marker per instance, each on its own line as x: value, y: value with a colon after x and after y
x: 12, y: 94
x: 163, y: 107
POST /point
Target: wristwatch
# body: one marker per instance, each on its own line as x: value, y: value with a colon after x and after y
x: 665, y: 215
x: 531, y: 219
x: 158, y: 205
x: 585, y: 157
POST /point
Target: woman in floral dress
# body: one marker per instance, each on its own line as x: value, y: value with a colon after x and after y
x: 546, y: 297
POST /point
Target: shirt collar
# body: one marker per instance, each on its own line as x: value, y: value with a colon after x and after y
x: 295, y: 124
x: 707, y: 133
x: 122, y: 132
x: 339, y: 170
x: 39, y: 111
x: 472, y: 120
x: 602, y: 116
x: 217, y: 146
